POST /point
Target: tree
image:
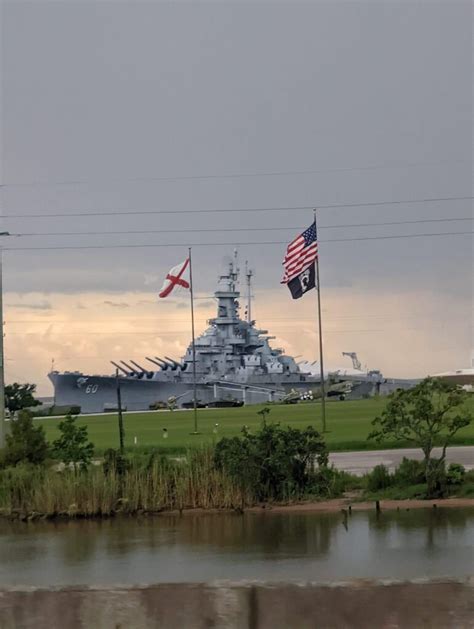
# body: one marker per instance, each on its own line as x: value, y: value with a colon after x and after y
x: 427, y: 415
x: 26, y: 442
x: 19, y: 396
x: 73, y: 446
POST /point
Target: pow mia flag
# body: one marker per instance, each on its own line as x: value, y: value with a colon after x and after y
x: 303, y: 282
x: 299, y: 262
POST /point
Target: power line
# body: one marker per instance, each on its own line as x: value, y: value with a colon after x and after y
x: 277, y: 322
x: 281, y: 173
x: 231, y: 244
x: 241, y: 229
x: 230, y: 210
x: 157, y: 319
x: 155, y: 333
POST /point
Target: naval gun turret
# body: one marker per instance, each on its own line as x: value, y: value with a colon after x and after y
x: 144, y: 372
x: 160, y: 362
x: 174, y: 365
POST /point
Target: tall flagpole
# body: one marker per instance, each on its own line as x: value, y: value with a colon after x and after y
x: 2, y: 369
x: 191, y: 292
x: 321, y: 360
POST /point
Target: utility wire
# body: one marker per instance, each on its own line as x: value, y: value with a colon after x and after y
x: 241, y: 229
x: 184, y: 329
x: 228, y: 211
x: 50, y: 322
x: 281, y: 173
x: 174, y: 332
x: 231, y: 244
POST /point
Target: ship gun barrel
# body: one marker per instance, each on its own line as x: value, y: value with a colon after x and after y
x: 164, y: 363
x: 155, y: 362
x: 131, y: 369
x: 158, y: 361
x: 145, y: 372
x: 174, y: 365
x: 120, y: 368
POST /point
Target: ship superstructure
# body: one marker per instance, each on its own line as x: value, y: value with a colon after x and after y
x: 234, y: 361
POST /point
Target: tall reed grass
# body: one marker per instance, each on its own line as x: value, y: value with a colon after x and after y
x: 150, y: 485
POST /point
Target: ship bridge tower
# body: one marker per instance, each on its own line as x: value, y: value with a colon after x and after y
x: 227, y: 296
x: 227, y: 324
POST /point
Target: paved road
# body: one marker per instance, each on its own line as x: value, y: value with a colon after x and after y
x: 359, y: 463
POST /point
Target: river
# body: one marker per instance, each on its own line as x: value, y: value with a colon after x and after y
x: 262, y: 546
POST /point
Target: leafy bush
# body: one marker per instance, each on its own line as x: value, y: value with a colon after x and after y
x: 273, y: 463
x: 379, y: 478
x: 26, y: 443
x: 328, y: 482
x: 469, y: 476
x: 456, y: 474
x: 409, y: 472
x: 466, y: 490
x: 73, y: 445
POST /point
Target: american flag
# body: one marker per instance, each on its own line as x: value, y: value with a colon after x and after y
x: 301, y: 253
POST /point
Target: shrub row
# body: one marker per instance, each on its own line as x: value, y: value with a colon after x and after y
x: 412, y: 473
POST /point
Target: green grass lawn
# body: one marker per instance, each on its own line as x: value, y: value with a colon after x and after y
x: 348, y: 424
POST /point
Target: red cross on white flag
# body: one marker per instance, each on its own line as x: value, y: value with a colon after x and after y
x: 175, y: 277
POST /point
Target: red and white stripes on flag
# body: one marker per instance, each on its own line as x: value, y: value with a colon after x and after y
x: 175, y: 277
x: 300, y: 254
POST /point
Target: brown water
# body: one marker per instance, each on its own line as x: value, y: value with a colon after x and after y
x: 266, y: 546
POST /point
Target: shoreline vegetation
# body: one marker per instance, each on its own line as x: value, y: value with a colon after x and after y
x: 155, y: 485
x: 273, y: 464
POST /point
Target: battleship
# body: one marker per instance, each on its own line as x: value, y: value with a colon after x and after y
x: 235, y: 365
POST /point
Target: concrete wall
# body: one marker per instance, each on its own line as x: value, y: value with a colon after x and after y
x: 361, y: 604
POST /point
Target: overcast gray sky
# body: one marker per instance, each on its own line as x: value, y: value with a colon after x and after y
x: 102, y: 101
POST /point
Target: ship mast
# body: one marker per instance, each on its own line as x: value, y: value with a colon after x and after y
x: 249, y: 275
x: 234, y: 269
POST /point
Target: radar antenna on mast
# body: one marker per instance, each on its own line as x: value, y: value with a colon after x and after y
x: 355, y: 361
x: 234, y: 269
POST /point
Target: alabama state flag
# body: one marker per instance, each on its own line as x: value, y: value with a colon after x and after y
x: 177, y: 276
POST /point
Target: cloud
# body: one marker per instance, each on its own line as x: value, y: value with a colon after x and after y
x: 405, y: 334
x: 181, y: 305
x: 115, y: 304
x: 150, y: 279
x: 45, y: 305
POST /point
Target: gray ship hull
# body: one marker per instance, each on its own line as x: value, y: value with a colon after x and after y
x: 97, y: 394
